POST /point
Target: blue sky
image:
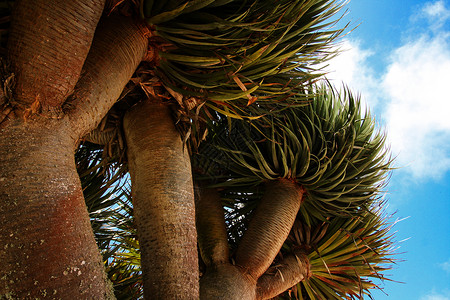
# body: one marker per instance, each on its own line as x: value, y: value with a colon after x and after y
x: 398, y: 59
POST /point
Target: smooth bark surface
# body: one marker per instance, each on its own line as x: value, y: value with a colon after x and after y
x: 269, y: 226
x: 47, y: 248
x: 48, y: 43
x: 163, y: 201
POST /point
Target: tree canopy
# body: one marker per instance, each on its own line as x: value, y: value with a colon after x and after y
x: 212, y: 157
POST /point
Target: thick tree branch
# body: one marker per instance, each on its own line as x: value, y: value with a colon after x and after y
x: 48, y: 44
x: 269, y: 227
x: 163, y: 201
x: 290, y: 271
x: 210, y: 223
x: 47, y: 247
x: 119, y: 46
x: 101, y: 137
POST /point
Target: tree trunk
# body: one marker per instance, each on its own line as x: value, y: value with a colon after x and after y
x: 47, y: 248
x: 163, y: 200
x: 48, y: 44
x: 227, y: 282
x: 211, y: 230
x: 269, y: 227
x: 288, y: 272
x: 119, y: 46
x: 222, y: 280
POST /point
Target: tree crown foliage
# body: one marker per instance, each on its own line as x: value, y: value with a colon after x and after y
x: 241, y: 76
x: 332, y: 148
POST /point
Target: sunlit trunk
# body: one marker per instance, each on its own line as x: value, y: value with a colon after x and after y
x: 269, y: 226
x: 250, y: 278
x: 163, y: 201
x: 56, y: 50
x: 47, y: 248
x: 48, y: 43
x: 210, y: 224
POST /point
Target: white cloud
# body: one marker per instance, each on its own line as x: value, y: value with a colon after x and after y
x: 415, y: 86
x: 446, y: 266
x: 418, y: 111
x: 412, y: 93
x: 436, y: 296
x: 436, y: 13
x: 350, y: 67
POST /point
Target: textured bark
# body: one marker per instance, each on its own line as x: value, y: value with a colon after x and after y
x: 101, y: 137
x: 290, y: 271
x: 222, y: 280
x: 119, y: 46
x: 227, y: 282
x: 269, y: 226
x: 211, y: 231
x: 163, y: 200
x: 47, y: 248
x: 48, y: 43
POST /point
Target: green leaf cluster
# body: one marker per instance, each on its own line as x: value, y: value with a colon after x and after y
x: 234, y: 52
x: 345, y: 254
x: 330, y: 147
x: 333, y: 150
x: 107, y: 194
x: 251, y: 67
